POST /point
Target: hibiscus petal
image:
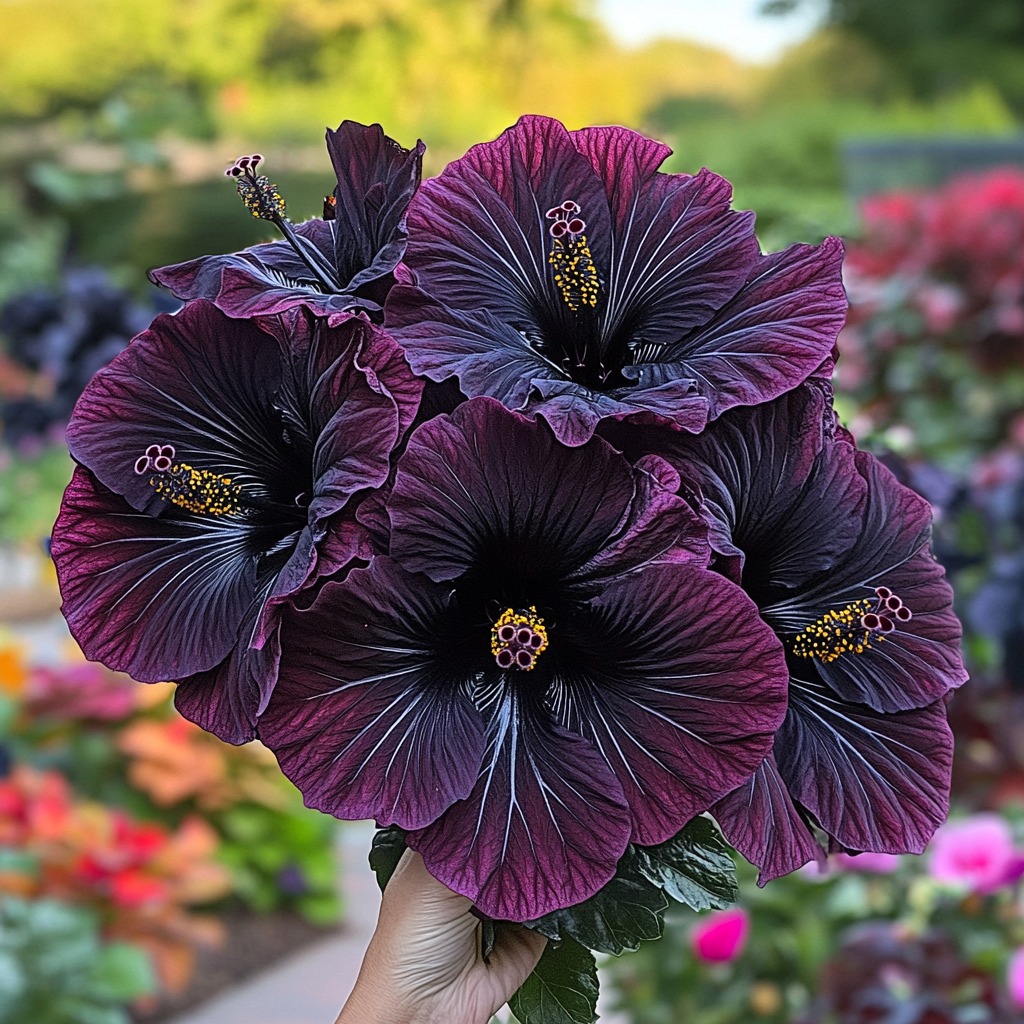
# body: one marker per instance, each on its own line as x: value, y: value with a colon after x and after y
x: 777, y: 330
x: 478, y: 232
x: 198, y: 381
x: 762, y: 823
x: 544, y: 827
x: 875, y: 782
x: 228, y: 699
x: 486, y: 482
x: 679, y: 684
x: 920, y: 660
x: 159, y: 599
x: 661, y: 527
x: 574, y: 411
x: 265, y: 279
x: 360, y: 719
x: 486, y: 355
x: 679, y: 256
x: 376, y: 179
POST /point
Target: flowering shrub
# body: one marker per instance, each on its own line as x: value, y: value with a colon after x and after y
x: 511, y: 510
x: 118, y: 743
x: 139, y: 877
x: 933, y: 352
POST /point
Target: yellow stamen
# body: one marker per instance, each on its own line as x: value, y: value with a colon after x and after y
x: 575, y: 273
x: 197, y: 490
x: 836, y: 633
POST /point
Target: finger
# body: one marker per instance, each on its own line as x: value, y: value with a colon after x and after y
x: 515, y: 954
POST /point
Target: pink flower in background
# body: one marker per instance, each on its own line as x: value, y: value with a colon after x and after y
x: 872, y: 863
x: 721, y: 936
x: 977, y: 853
x: 1015, y: 976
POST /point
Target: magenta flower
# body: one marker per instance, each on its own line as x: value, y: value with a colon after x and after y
x: 218, y: 467
x: 1015, y: 976
x: 870, y: 863
x: 720, y: 936
x: 976, y: 853
x: 540, y: 672
x: 563, y: 274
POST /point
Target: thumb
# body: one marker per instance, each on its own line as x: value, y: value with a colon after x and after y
x: 515, y: 954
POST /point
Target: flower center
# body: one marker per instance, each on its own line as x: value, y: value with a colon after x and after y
x: 853, y: 629
x: 573, y: 266
x: 518, y: 638
x: 195, y: 490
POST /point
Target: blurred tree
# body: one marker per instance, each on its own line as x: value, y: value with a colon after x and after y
x: 933, y: 47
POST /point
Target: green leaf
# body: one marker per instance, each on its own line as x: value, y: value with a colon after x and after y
x: 123, y: 972
x: 385, y: 852
x: 628, y: 910
x: 694, y: 867
x: 562, y: 988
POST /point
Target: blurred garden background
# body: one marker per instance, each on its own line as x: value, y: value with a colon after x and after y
x: 132, y: 845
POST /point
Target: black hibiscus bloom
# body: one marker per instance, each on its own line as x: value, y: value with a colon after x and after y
x: 217, y: 470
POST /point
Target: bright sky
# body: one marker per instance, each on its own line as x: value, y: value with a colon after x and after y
x: 731, y: 25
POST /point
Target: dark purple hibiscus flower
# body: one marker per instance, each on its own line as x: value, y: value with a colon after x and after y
x: 562, y: 273
x: 216, y: 468
x: 333, y: 266
x: 836, y: 554
x: 540, y: 672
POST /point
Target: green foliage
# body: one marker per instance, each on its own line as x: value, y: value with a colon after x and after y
x: 935, y: 46
x: 30, y: 490
x: 385, y: 852
x: 626, y: 911
x: 695, y: 867
x: 281, y: 858
x: 55, y: 969
x: 562, y: 988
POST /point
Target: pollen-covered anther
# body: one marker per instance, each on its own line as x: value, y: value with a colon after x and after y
x: 518, y: 638
x: 853, y: 629
x: 195, y: 490
x: 574, y: 271
x: 259, y: 194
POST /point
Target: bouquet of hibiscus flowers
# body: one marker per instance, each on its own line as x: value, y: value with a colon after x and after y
x: 510, y: 510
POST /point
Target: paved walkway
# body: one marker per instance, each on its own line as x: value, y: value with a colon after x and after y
x: 310, y: 987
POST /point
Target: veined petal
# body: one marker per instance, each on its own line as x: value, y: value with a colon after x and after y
x: 196, y: 380
x: 920, y: 660
x: 361, y: 719
x: 487, y: 356
x: 228, y: 699
x: 157, y: 598
x: 774, y: 333
x: 265, y: 279
x: 877, y: 782
x: 486, y: 483
x: 376, y: 179
x: 674, y: 678
x: 544, y: 827
x: 478, y: 232
x: 761, y: 821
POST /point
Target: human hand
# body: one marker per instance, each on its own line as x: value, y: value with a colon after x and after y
x: 424, y: 962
